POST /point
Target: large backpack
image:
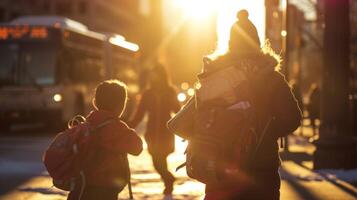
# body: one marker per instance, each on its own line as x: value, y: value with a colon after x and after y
x: 224, y: 143
x: 70, y: 152
x: 225, y: 132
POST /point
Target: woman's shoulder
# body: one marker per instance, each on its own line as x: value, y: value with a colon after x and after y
x: 278, y: 77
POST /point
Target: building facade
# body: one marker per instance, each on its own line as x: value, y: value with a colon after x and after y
x: 284, y: 30
x: 353, y: 57
x: 110, y: 16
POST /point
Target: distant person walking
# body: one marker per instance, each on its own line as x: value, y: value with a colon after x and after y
x: 159, y: 101
x: 313, y: 107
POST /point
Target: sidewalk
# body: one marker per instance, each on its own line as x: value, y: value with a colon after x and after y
x: 299, y: 182
x: 146, y: 183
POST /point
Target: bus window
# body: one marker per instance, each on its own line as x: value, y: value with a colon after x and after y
x: 80, y: 68
x: 25, y: 64
x: 37, y: 64
x: 95, y: 70
x: 63, y: 66
x: 88, y: 69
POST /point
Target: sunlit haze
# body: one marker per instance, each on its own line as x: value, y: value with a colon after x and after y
x: 199, y: 12
x: 178, y: 108
x: 226, y: 10
x: 227, y: 16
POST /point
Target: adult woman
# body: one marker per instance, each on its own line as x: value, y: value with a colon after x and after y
x: 158, y: 101
x: 272, y: 99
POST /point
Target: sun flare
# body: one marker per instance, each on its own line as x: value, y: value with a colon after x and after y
x: 197, y: 9
x: 225, y: 10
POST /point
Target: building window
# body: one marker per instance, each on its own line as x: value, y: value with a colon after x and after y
x: 63, y: 8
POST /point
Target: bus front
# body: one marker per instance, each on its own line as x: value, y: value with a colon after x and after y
x: 28, y: 57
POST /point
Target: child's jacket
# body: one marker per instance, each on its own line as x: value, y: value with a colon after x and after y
x: 112, y: 143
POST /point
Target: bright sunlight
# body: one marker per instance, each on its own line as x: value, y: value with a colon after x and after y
x: 199, y: 11
x: 226, y: 10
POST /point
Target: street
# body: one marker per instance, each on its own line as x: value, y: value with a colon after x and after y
x: 24, y: 177
x: 141, y: 60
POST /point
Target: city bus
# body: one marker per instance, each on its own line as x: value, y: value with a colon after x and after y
x: 49, y: 67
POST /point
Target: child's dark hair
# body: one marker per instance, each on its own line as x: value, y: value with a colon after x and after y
x: 111, y: 95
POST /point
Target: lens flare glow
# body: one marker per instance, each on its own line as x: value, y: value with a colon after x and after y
x: 185, y: 85
x: 284, y: 33
x: 227, y: 16
x: 226, y: 11
x: 191, y: 92
x: 57, y: 97
x: 197, y: 9
x: 197, y: 85
x: 181, y: 97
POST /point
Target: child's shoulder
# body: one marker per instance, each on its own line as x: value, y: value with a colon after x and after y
x: 123, y: 127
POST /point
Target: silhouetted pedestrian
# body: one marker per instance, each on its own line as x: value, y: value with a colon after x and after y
x: 159, y: 101
x: 272, y: 99
x: 232, y: 125
x: 313, y: 107
x: 108, y: 172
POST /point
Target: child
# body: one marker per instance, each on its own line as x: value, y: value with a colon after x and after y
x: 108, y: 172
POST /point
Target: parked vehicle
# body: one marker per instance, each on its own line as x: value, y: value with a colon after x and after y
x: 49, y: 67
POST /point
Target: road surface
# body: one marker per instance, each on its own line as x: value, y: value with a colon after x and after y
x: 23, y: 176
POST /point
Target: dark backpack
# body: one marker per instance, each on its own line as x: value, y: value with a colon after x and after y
x: 223, y: 138
x: 224, y: 142
x: 70, y: 152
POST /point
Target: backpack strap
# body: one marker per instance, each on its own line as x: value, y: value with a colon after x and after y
x: 260, y: 140
x: 101, y: 125
x: 131, y: 196
x: 180, y: 166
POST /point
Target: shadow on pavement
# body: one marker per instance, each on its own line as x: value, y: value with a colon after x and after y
x: 21, y: 152
x: 42, y: 191
x: 299, y: 158
x: 303, y: 192
x: 19, y: 130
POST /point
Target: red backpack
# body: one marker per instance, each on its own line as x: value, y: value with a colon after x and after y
x: 70, y: 151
